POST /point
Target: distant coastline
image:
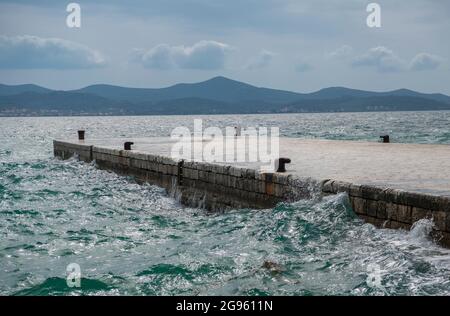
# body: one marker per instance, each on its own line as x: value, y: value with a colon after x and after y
x: 217, y: 96
x: 214, y: 114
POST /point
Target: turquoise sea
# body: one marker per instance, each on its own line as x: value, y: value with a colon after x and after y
x: 130, y: 239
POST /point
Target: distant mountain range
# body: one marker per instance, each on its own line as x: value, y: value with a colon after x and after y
x: 218, y: 95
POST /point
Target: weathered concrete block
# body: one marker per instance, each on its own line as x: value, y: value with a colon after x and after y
x: 217, y: 169
x: 211, y: 177
x: 135, y: 155
x: 135, y: 163
x: 203, y: 175
x: 240, y: 184
x: 339, y: 186
x: 402, y: 197
x: 355, y: 190
x: 404, y: 213
x: 371, y: 208
x: 227, y: 191
x: 112, y: 158
x: 420, y: 213
x: 166, y: 181
x: 279, y: 190
x: 443, y: 204
x: 269, y: 189
x: 233, y: 182
x: 97, y: 156
x: 447, y: 222
x: 115, y: 152
x: 218, y: 178
x: 268, y: 177
x: 194, y: 174
x: 252, y: 197
x: 244, y: 183
x: 358, y: 205
x: 260, y: 176
x: 173, y: 170
x: 391, y: 211
x: 208, y: 177
x: 250, y: 173
x: 415, y: 199
x: 208, y: 167
x: 124, y: 161
x: 226, y: 180
x: 226, y: 170
x: 169, y: 161
x: 440, y: 220
x: 187, y: 173
x: 381, y: 210
x: 281, y: 178
x: 151, y: 158
x: 189, y: 164
x: 152, y: 166
x: 259, y: 198
x: 391, y: 195
x: 74, y: 147
x: 261, y: 186
x: 372, y: 193
x: 236, y: 172
x: 243, y: 194
x: 143, y: 164
x: 100, y: 150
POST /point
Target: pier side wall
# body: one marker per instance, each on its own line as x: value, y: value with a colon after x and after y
x: 211, y: 186
x: 218, y: 187
x: 396, y: 209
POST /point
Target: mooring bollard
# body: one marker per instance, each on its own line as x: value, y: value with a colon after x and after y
x: 385, y: 139
x: 127, y: 145
x: 81, y: 135
x: 281, y: 164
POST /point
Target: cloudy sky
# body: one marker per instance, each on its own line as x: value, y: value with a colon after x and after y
x: 300, y: 45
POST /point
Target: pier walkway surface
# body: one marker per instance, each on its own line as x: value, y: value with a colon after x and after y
x: 390, y: 185
x: 412, y: 167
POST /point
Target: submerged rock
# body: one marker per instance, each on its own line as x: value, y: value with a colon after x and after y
x: 273, y: 267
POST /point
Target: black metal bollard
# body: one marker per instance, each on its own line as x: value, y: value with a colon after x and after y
x: 127, y: 145
x: 81, y: 135
x: 282, y: 164
x: 385, y: 139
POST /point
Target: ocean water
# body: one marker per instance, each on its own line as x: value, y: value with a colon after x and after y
x: 131, y: 239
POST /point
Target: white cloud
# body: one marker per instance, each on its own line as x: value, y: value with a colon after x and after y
x: 32, y: 52
x: 263, y: 60
x: 342, y: 52
x: 425, y: 61
x: 382, y: 58
x: 385, y: 60
x: 202, y: 55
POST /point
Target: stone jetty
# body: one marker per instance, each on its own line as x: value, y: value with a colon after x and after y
x: 389, y: 185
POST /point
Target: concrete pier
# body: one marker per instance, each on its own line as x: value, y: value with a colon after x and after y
x: 389, y: 185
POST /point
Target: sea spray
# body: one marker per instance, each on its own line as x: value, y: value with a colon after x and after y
x: 421, y: 230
